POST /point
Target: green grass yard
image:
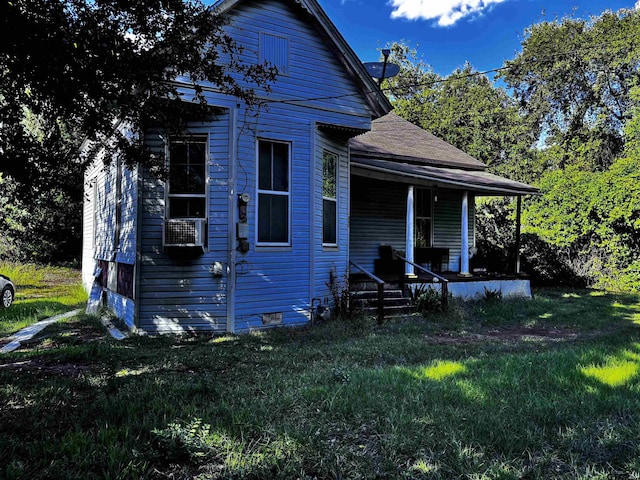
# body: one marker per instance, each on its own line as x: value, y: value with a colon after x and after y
x: 546, y: 388
x: 41, y: 292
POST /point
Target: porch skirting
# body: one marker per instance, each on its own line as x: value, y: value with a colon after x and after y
x: 470, y: 289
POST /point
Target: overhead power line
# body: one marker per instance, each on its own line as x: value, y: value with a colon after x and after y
x: 451, y: 78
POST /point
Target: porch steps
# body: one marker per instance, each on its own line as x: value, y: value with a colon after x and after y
x: 364, y: 295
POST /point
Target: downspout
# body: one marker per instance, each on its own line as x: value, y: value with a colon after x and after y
x: 312, y: 216
x: 231, y: 237
x: 136, y: 268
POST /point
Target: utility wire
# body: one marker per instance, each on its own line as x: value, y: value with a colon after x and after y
x: 452, y: 77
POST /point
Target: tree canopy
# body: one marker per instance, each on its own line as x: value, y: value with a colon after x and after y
x: 568, y: 122
x: 71, y: 70
x: 573, y: 79
x: 466, y: 109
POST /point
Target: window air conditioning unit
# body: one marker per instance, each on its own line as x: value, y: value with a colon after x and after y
x: 184, y: 233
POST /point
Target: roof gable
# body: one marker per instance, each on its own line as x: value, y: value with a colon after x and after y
x: 336, y: 43
x: 394, y: 138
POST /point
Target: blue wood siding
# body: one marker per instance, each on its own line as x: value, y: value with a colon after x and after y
x: 177, y: 290
x: 274, y: 279
x: 179, y: 294
x: 122, y: 307
x: 314, y: 72
x: 329, y: 258
x: 100, y: 228
x: 378, y: 215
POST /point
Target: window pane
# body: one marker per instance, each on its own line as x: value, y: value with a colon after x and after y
x: 264, y: 166
x: 329, y: 221
x: 423, y: 232
x: 423, y: 202
x: 281, y: 167
x: 196, y: 153
x: 178, y: 153
x: 329, y: 174
x: 187, y: 207
x: 186, y: 179
x: 273, y: 218
x: 187, y: 171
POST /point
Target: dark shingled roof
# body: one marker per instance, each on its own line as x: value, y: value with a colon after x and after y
x: 397, y: 149
x: 394, y: 138
x: 481, y: 182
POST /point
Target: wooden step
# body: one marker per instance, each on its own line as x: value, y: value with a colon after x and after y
x: 388, y: 311
x: 373, y: 294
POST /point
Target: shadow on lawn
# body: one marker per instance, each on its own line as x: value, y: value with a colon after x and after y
x: 339, y: 400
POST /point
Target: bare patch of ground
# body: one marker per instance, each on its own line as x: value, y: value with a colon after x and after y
x: 39, y: 366
x: 507, y: 334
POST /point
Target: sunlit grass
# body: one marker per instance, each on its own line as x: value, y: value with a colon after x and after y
x: 615, y: 371
x: 438, y: 370
x: 41, y: 292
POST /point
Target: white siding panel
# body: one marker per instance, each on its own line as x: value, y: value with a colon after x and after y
x: 447, y: 222
x: 378, y: 216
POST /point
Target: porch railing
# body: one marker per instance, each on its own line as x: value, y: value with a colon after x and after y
x: 380, y: 284
x: 444, y: 289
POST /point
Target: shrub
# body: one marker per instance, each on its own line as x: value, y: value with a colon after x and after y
x: 429, y: 301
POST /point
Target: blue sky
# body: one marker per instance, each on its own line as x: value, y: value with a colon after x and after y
x: 447, y: 33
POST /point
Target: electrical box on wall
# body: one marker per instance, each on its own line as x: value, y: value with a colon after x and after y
x: 217, y: 269
x: 272, y: 318
x: 242, y: 230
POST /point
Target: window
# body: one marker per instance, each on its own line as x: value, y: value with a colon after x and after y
x: 274, y: 50
x: 423, y: 217
x: 329, y: 198
x: 273, y: 193
x: 187, y: 186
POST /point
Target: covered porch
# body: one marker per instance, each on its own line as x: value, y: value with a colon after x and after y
x: 413, y: 211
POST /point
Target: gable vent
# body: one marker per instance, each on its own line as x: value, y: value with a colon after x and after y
x: 184, y: 233
x: 274, y: 50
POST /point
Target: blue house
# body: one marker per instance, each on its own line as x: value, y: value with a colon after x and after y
x: 254, y: 216
x: 262, y: 209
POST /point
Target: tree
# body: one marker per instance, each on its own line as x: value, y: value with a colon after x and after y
x: 70, y: 70
x: 573, y: 78
x: 466, y: 109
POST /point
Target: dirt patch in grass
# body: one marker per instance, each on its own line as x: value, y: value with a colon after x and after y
x: 507, y: 334
x: 37, y: 365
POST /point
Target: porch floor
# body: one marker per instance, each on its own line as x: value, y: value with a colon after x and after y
x: 453, y: 277
x: 475, y: 286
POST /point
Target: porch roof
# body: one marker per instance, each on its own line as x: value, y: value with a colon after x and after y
x: 477, y: 181
x: 394, y: 138
x: 398, y: 150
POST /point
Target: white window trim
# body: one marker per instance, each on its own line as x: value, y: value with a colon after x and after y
x: 203, y: 138
x: 273, y: 192
x: 337, y: 156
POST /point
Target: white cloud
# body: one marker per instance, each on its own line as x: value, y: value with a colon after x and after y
x: 637, y: 7
x: 446, y: 12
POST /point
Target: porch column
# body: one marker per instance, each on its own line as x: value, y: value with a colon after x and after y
x: 464, y: 254
x: 518, y: 221
x: 409, y: 270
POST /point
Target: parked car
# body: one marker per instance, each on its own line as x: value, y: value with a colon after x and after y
x: 7, y: 292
